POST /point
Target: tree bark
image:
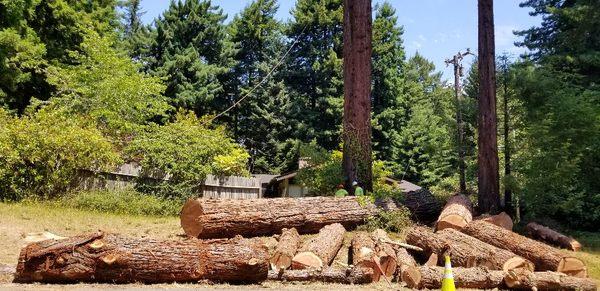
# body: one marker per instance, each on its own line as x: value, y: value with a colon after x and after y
x: 548, y: 235
x: 501, y: 219
x: 464, y: 250
x: 520, y: 279
x: 407, y: 268
x: 216, y: 218
x: 320, y: 251
x: 364, y: 255
x: 110, y: 258
x: 487, y: 176
x: 423, y: 206
x: 357, y: 92
x: 545, y: 258
x: 385, y: 252
x: 470, y: 278
x: 288, y: 245
x: 457, y: 213
x: 327, y: 275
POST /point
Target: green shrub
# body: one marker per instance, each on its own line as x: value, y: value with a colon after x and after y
x: 185, y: 151
x: 392, y: 221
x: 122, y: 202
x: 40, y: 154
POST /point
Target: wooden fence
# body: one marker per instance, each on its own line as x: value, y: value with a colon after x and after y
x: 127, y: 175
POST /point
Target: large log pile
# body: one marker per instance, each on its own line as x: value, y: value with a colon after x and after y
x: 457, y: 213
x: 465, y: 251
x: 545, y: 258
x: 551, y: 236
x: 110, y: 258
x: 220, y: 218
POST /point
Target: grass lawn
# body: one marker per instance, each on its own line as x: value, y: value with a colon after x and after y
x: 19, y: 219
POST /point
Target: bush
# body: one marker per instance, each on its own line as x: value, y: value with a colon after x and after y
x: 185, y: 152
x: 392, y: 221
x: 40, y: 154
x: 122, y: 202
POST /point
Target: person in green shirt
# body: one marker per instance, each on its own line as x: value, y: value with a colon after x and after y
x: 341, y: 192
x: 358, y: 191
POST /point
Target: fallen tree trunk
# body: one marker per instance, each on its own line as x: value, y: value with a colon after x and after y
x: 548, y: 235
x: 110, y: 258
x: 320, y: 251
x: 218, y: 218
x: 327, y: 275
x: 545, y: 257
x: 457, y: 213
x: 501, y: 219
x: 407, y: 268
x: 385, y: 252
x: 470, y: 278
x: 288, y: 244
x: 464, y: 250
x: 520, y: 279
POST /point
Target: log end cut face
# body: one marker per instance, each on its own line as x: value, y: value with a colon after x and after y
x: 189, y: 215
x: 572, y: 267
x: 452, y: 221
x: 305, y: 260
x: 280, y: 262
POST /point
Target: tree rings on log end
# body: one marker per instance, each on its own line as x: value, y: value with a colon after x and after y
x: 410, y: 275
x: 280, y: 261
x: 189, y: 214
x: 572, y: 267
x: 452, y: 221
x: 518, y: 263
x: 306, y: 260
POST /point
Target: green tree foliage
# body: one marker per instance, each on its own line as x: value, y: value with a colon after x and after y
x: 137, y: 37
x: 106, y: 85
x: 258, y: 123
x: 41, y: 154
x: 184, y: 151
x: 314, y: 72
x: 191, y: 53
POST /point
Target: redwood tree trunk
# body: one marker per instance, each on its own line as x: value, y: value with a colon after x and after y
x: 487, y: 177
x: 357, y: 92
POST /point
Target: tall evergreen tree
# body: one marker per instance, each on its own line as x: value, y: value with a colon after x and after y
x: 314, y: 72
x: 137, y: 37
x: 191, y: 52
x: 258, y: 123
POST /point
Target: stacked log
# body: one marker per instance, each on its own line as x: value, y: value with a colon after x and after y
x: 423, y: 206
x: 221, y: 218
x: 320, y: 251
x: 520, y: 279
x: 471, y: 278
x: 465, y: 251
x: 457, y: 213
x: 364, y: 255
x: 407, y: 268
x: 327, y: 275
x: 104, y: 257
x: 548, y: 235
x: 545, y: 258
x: 288, y: 245
x: 385, y: 252
x: 501, y: 219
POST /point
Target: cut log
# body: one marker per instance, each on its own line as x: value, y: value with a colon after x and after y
x: 423, y: 206
x: 327, y: 275
x: 545, y: 257
x: 221, y: 218
x: 457, y: 213
x: 385, y: 252
x: 288, y: 245
x: 470, y: 278
x: 364, y: 255
x: 464, y: 250
x: 432, y: 261
x: 501, y: 219
x: 407, y: 268
x: 520, y: 279
x: 110, y: 258
x: 550, y: 236
x: 320, y: 251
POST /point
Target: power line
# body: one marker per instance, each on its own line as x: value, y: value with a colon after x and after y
x: 259, y: 83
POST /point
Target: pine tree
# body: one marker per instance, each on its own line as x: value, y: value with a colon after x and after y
x: 137, y: 37
x: 191, y: 52
x: 258, y: 122
x: 314, y: 72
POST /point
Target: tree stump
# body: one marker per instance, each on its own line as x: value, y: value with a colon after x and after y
x: 288, y: 245
x: 457, y: 213
x: 320, y: 251
x: 545, y: 257
x: 464, y: 250
x: 548, y: 235
x: 207, y: 218
x: 110, y: 258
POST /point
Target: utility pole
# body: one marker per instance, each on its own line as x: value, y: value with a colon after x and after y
x: 456, y: 61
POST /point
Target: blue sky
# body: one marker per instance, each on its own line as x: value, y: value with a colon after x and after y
x: 437, y: 29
